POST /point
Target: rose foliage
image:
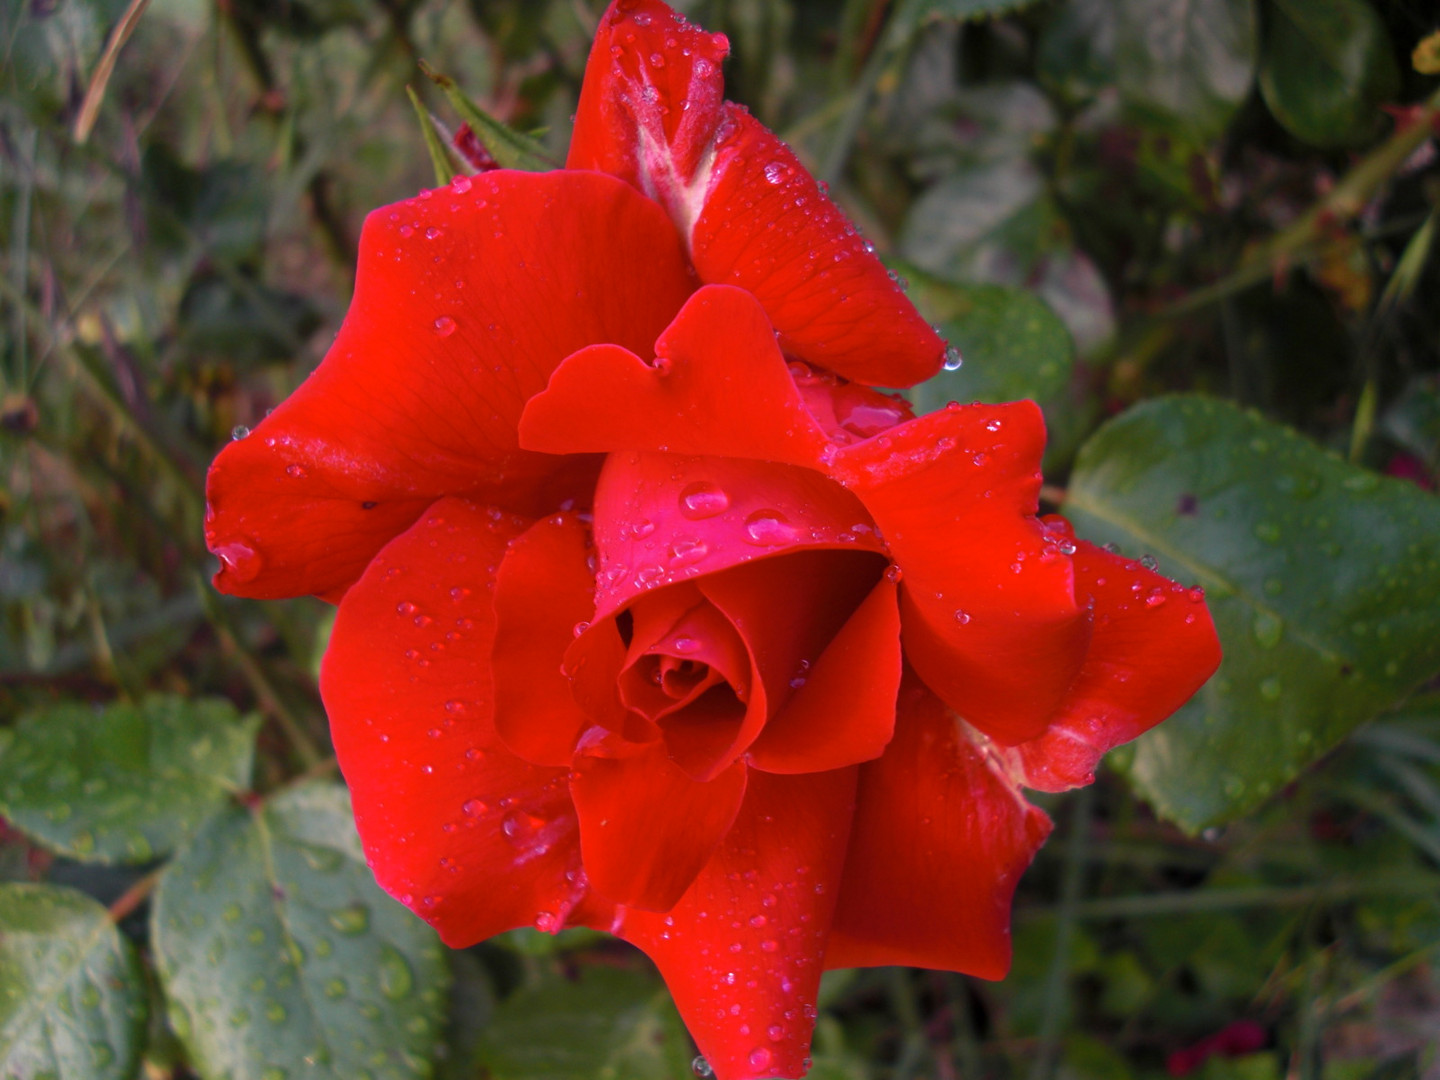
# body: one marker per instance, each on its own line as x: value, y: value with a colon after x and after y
x: 654, y: 615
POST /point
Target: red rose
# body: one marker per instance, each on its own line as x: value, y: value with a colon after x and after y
x: 654, y: 616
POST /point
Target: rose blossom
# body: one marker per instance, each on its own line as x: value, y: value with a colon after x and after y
x: 653, y: 615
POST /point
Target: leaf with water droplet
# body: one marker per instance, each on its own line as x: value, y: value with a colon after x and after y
x: 127, y: 783
x: 339, y: 978
x: 72, y: 1001
x: 1320, y: 632
x: 1013, y: 345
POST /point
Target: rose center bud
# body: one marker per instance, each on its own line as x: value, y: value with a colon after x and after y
x: 709, y: 664
x: 686, y: 672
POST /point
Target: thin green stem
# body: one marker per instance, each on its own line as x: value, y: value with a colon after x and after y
x: 1057, y: 980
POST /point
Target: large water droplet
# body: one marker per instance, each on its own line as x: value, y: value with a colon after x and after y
x: 760, y: 1058
x: 702, y: 500
x: 688, y: 552
x: 239, y: 431
x: 444, y: 326
x: 769, y: 528
x: 776, y: 172
x: 238, y: 559
x: 953, y: 360
x: 701, y: 1067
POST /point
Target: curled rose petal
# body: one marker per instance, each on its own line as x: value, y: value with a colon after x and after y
x: 663, y: 518
x: 843, y: 709
x: 420, y: 395
x: 1153, y: 646
x: 988, y: 599
x: 743, y: 950
x: 543, y: 589
x: 646, y: 828
x: 719, y: 385
x: 652, y: 112
x: 456, y: 827
x: 941, y: 836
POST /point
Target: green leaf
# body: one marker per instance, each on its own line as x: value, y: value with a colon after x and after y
x: 1012, y: 344
x: 72, y: 1004
x: 434, y: 143
x: 1328, y: 66
x: 280, y: 956
x: 606, y: 1025
x: 1186, y: 63
x: 1075, y: 54
x: 126, y: 784
x: 507, y: 146
x: 1321, y: 576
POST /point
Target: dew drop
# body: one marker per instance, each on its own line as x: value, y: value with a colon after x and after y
x: 776, y: 172
x: 238, y: 559
x: 688, y: 552
x: 702, y: 500
x: 962, y: 617
x: 642, y: 528
x: 769, y: 528
x: 396, y: 978
x: 239, y: 431
x: 953, y: 360
x: 461, y: 184
x: 473, y: 808
x: 1149, y: 562
x: 296, y: 472
x: 700, y: 1067
x: 350, y: 920
x: 893, y: 573
x: 760, y: 1058
x: 444, y: 326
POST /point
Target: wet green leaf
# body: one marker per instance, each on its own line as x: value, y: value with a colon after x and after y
x: 1322, y: 578
x: 1186, y: 63
x: 128, y: 783
x: 1013, y: 346
x: 1328, y: 66
x: 72, y: 1004
x: 281, y: 957
x: 608, y: 1024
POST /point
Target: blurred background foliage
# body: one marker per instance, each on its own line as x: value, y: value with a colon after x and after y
x: 1199, y: 232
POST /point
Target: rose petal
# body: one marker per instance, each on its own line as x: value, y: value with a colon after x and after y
x: 742, y: 950
x: 460, y: 830
x: 987, y: 601
x: 646, y: 828
x: 844, y: 711
x: 651, y: 112
x: 465, y: 301
x: 719, y: 385
x: 662, y: 519
x: 678, y: 624
x: 1153, y: 646
x: 940, y: 838
x: 789, y: 608
x: 543, y: 589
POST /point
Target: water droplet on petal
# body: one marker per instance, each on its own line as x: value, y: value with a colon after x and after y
x: 769, y: 528
x: 238, y: 559
x: 239, y: 431
x: 760, y: 1058
x: 702, y: 500
x: 953, y: 360
x: 444, y: 326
